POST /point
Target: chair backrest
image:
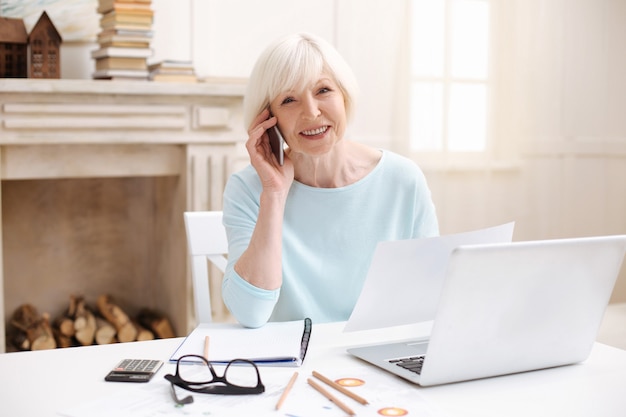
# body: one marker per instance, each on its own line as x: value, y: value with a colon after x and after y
x: 206, y: 238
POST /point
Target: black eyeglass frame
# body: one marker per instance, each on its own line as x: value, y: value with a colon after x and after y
x: 207, y: 387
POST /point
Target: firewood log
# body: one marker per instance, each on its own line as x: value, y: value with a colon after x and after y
x: 126, y: 332
x: 84, y: 323
x: 65, y: 326
x: 105, y: 332
x: 25, y: 316
x: 71, y: 308
x: 31, y: 330
x: 41, y: 336
x: 62, y: 340
x: 142, y: 332
x: 156, y: 322
x: 19, y: 339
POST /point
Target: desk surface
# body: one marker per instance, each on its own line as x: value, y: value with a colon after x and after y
x: 45, y: 382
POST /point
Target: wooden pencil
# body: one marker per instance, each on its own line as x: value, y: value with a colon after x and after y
x: 339, y: 388
x: 331, y: 397
x: 281, y: 400
x: 206, y: 348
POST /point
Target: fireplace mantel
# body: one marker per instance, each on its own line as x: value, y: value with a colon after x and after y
x: 135, y: 155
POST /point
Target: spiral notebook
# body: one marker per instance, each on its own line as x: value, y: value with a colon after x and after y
x: 274, y: 344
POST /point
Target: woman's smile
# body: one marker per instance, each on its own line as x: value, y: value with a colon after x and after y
x: 317, y: 133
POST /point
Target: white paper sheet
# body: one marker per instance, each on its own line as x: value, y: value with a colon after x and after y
x: 405, y: 278
x: 387, y: 395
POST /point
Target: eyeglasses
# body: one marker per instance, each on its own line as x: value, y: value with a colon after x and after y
x: 241, y: 377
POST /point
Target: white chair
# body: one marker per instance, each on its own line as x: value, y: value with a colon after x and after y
x: 206, y: 238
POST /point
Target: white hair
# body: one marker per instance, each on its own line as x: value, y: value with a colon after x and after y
x: 291, y: 63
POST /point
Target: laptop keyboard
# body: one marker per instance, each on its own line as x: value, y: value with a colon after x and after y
x: 413, y: 363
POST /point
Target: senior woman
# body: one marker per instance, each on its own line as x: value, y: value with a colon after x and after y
x: 301, y: 235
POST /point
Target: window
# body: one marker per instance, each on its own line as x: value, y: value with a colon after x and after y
x: 449, y: 76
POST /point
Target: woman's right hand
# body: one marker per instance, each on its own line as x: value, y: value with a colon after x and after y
x: 274, y: 177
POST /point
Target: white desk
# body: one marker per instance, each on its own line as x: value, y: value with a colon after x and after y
x: 44, y: 382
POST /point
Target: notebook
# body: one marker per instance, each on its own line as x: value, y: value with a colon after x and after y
x: 509, y: 308
x: 274, y: 344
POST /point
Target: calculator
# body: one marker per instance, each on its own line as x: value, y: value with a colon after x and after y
x: 134, y: 370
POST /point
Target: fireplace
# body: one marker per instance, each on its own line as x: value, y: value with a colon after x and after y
x: 95, y: 177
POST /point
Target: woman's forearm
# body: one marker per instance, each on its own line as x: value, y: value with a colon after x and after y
x: 261, y: 263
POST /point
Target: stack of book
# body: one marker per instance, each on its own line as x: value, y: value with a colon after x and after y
x: 174, y: 71
x: 124, y: 39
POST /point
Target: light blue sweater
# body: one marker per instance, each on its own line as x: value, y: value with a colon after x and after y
x: 329, y: 236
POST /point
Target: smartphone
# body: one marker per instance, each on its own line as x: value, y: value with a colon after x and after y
x: 276, y: 143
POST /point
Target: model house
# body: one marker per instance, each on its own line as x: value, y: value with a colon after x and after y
x: 45, y: 49
x: 13, y: 48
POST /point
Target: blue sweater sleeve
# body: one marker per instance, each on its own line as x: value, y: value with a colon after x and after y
x: 251, y: 306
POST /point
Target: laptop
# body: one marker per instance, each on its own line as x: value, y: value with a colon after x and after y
x: 508, y: 308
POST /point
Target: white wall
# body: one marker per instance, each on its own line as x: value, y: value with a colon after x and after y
x: 229, y: 35
x: 559, y: 166
x: 224, y: 38
x: 560, y: 127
